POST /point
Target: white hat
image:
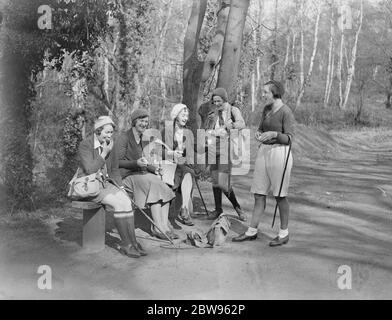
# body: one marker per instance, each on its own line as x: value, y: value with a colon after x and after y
x: 176, y: 110
x: 102, y: 120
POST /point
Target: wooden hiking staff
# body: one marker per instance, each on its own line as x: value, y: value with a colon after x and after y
x: 281, y: 184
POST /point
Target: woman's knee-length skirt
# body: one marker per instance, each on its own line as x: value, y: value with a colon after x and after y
x: 181, y: 171
x: 148, y: 189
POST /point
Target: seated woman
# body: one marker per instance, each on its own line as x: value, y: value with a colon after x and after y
x: 98, y: 154
x: 140, y: 176
x: 174, y: 136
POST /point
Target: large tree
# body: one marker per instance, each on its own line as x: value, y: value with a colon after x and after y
x: 231, y: 52
x: 28, y: 31
x: 193, y: 68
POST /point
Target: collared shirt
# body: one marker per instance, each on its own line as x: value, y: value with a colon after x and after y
x: 98, y: 145
x: 179, y: 136
x: 224, y: 113
x: 225, y: 116
x: 138, y: 136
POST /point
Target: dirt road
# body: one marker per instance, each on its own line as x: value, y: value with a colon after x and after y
x: 341, y: 214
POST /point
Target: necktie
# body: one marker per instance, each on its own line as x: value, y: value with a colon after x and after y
x: 221, y: 121
x: 141, y: 140
x: 104, y: 168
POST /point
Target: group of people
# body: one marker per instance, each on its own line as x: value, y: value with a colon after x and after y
x: 127, y: 173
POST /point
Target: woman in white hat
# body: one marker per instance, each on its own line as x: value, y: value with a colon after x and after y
x: 97, y: 153
x: 179, y: 137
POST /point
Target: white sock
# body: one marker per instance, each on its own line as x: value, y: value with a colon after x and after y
x: 251, y: 231
x: 283, y: 233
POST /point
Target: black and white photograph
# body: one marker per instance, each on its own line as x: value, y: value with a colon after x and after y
x: 222, y: 151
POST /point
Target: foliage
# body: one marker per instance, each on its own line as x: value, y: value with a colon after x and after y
x: 23, y: 48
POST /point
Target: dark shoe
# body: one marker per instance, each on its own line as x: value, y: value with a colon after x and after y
x: 279, y: 241
x: 172, y: 235
x: 175, y: 225
x: 187, y: 222
x: 141, y: 249
x: 130, y: 252
x: 185, y: 218
x: 244, y: 237
x: 241, y: 215
x: 212, y: 215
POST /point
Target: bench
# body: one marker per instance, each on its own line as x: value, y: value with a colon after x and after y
x: 93, y: 239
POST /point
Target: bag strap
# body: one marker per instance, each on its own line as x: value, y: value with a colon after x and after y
x: 77, y: 172
x: 232, y: 117
x: 75, y: 175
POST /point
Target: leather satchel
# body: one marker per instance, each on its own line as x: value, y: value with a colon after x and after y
x: 84, y: 187
x: 218, y: 231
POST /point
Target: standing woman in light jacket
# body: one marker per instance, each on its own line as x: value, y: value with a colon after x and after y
x: 97, y: 153
x: 275, y: 134
x: 221, y: 120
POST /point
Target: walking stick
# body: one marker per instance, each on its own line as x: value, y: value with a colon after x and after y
x: 281, y: 184
x: 229, y: 164
x: 201, y: 196
x: 142, y: 211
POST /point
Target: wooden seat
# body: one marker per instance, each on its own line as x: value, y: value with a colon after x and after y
x: 93, y: 225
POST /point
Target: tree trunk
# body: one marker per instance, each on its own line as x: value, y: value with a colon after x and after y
x: 330, y: 53
x: 388, y: 89
x: 215, y: 51
x: 286, y: 60
x: 193, y: 68
x: 301, y: 59
x: 164, y: 97
x: 258, y: 75
x: 309, y: 74
x: 332, y: 75
x: 293, y: 48
x: 360, y: 105
x: 228, y: 70
x: 351, y: 69
x: 274, y: 56
x: 253, y: 92
x: 339, y: 72
x: 260, y: 9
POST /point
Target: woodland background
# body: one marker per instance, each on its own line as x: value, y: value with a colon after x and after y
x: 111, y: 57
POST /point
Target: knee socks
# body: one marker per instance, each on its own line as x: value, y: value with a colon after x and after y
x: 218, y: 199
x: 121, y: 223
x: 232, y: 198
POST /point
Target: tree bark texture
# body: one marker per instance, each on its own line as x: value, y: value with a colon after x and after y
x: 309, y: 74
x: 351, y: 68
x: 330, y: 54
x: 193, y: 68
x: 228, y: 71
